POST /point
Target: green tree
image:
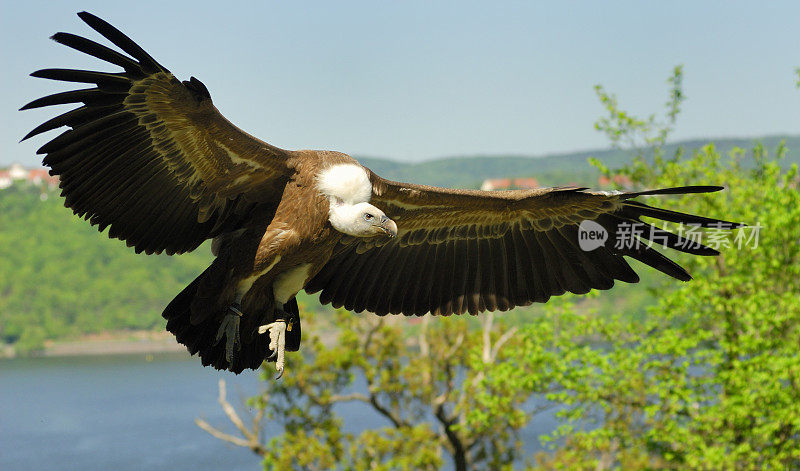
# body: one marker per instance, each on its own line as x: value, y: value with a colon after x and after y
x: 707, y: 378
x: 424, y: 380
x: 711, y: 378
x: 628, y: 131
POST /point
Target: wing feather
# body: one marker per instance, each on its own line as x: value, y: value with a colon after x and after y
x: 397, y: 296
x: 142, y: 139
x: 470, y: 251
x: 525, y: 279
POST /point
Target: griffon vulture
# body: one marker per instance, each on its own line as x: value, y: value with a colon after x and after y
x: 150, y: 158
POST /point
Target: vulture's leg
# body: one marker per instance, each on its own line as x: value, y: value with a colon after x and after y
x: 277, y: 336
x: 277, y: 342
x: 230, y: 329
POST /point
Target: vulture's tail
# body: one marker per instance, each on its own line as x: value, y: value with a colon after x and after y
x: 196, y: 315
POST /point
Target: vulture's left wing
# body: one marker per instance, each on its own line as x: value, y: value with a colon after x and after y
x: 151, y: 156
x: 463, y: 251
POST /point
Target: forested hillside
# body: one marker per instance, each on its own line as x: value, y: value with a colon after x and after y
x: 60, y: 277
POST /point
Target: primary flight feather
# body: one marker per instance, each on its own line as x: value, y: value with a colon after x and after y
x: 150, y: 158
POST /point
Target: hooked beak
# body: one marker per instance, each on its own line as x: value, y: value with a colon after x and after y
x: 388, y: 226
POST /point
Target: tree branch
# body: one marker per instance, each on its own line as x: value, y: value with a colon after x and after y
x: 233, y: 416
x: 251, y: 436
x: 459, y: 450
x: 348, y: 398
x: 501, y: 341
x: 487, y: 339
x: 396, y: 420
x: 226, y: 437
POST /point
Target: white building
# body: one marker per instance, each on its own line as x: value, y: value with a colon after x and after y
x: 17, y: 172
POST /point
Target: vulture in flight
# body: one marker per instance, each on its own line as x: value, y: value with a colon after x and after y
x: 150, y: 158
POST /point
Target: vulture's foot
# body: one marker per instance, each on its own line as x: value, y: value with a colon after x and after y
x: 230, y: 329
x: 277, y: 342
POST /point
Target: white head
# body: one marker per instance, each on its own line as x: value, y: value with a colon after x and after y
x: 360, y: 219
x: 348, y: 189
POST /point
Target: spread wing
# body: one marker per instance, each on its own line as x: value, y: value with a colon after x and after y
x: 149, y: 156
x: 463, y: 251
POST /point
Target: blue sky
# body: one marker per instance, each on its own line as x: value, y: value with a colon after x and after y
x: 415, y: 80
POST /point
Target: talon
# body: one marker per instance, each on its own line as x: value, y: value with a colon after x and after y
x: 277, y: 343
x: 229, y: 328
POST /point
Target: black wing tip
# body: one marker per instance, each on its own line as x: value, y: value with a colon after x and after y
x: 29, y: 135
x: 60, y: 36
x: 122, y: 41
x: 32, y: 104
x: 50, y: 73
x: 707, y: 188
x: 678, y: 190
x: 88, y: 17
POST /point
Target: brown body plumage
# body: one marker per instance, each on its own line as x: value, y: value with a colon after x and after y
x: 153, y: 160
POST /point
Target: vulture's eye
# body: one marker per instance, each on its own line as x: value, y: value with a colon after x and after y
x: 368, y: 216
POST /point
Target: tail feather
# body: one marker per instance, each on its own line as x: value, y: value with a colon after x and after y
x: 195, y: 318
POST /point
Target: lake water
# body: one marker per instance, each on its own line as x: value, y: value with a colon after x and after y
x: 128, y: 413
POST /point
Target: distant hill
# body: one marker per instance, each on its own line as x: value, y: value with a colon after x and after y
x: 550, y: 170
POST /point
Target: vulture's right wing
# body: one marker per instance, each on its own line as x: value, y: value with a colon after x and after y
x: 151, y: 156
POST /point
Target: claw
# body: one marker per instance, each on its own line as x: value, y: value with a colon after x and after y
x: 277, y: 343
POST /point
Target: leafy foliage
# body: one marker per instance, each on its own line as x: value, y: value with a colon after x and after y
x: 625, y: 130
x: 706, y: 377
x: 710, y: 378
x: 424, y: 385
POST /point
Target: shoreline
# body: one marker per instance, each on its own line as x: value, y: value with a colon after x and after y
x: 128, y: 342
x: 106, y: 343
